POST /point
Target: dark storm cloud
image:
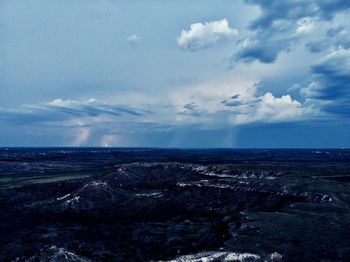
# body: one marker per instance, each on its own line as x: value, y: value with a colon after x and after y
x: 335, y: 38
x: 318, y: 46
x: 273, y: 10
x: 274, y: 30
x: 264, y: 51
x: 332, y: 82
x: 339, y: 36
x: 334, y: 76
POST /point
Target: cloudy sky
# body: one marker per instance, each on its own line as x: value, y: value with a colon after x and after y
x: 206, y: 73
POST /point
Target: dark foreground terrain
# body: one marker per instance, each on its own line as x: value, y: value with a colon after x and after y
x: 174, y: 205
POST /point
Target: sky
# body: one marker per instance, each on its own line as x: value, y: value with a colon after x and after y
x: 157, y: 73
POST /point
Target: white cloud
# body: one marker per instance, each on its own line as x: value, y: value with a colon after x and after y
x: 68, y: 103
x: 269, y: 109
x: 202, y: 35
x: 134, y: 39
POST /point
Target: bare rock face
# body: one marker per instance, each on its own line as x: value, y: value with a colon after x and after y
x: 91, y: 195
x: 55, y: 254
x: 220, y: 256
